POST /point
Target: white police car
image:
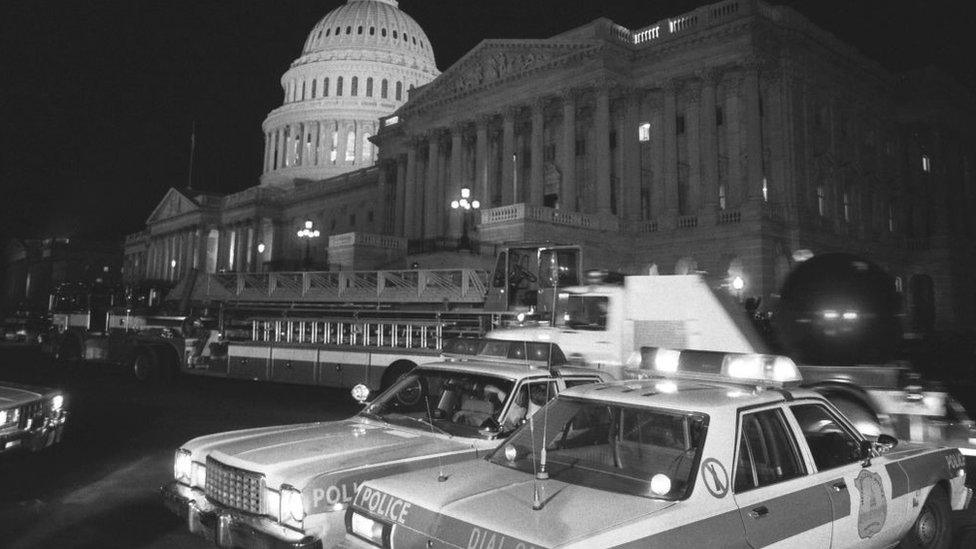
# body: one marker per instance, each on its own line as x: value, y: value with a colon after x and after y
x: 721, y: 452
x: 288, y: 485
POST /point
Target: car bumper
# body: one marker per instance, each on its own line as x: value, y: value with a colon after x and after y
x: 37, y: 436
x: 228, y: 528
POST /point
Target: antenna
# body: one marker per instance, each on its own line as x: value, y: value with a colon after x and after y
x: 536, y: 500
x: 441, y: 477
x: 554, y: 272
x: 542, y: 474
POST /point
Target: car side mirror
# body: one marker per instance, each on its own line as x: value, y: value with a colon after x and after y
x: 886, y: 442
x: 866, y: 452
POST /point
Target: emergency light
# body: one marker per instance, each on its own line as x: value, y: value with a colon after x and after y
x: 750, y: 368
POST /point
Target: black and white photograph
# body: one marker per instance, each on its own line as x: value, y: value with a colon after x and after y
x: 516, y: 274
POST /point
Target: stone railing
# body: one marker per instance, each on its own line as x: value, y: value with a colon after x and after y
x: 522, y: 211
x: 705, y: 16
x: 726, y: 217
x: 368, y: 239
x: 687, y: 222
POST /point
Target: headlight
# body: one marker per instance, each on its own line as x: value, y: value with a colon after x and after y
x: 198, y: 475
x: 57, y: 402
x: 3, y: 417
x: 9, y: 416
x: 367, y: 528
x: 292, y: 509
x: 182, y: 465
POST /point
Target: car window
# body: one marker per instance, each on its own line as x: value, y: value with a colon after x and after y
x: 529, y: 397
x: 831, y: 444
x: 574, y: 382
x: 767, y: 452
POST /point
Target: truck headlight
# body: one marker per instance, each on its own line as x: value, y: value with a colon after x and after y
x: 182, y: 466
x: 57, y: 401
x: 292, y: 509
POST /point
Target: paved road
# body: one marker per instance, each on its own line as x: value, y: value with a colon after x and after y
x: 99, y: 487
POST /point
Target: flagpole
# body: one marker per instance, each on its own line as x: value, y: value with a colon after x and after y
x: 193, y: 146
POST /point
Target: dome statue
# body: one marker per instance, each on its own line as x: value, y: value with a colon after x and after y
x: 357, y: 65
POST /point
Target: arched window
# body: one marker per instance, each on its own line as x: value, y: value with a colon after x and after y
x: 394, y: 34
x: 349, y: 29
x: 359, y: 30
x: 372, y: 31
x: 338, y: 30
x: 339, y: 86
x: 303, y: 90
x: 399, y: 90
x: 369, y: 87
x: 325, y: 87
x: 328, y: 32
x: 411, y: 87
x: 383, y: 32
x: 384, y: 88
x: 355, y: 86
x: 334, y: 152
x: 367, y: 148
x: 414, y: 40
x: 351, y: 146
x: 405, y: 37
x: 314, y: 84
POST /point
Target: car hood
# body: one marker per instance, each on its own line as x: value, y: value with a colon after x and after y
x: 13, y: 394
x: 328, y: 461
x: 492, y: 502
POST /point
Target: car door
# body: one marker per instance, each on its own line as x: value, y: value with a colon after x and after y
x: 778, y: 504
x: 860, y: 491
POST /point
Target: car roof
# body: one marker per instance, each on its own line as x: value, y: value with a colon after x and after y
x: 685, y: 395
x: 511, y: 369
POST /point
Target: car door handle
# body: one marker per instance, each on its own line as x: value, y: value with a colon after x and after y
x: 759, y: 512
x: 839, y: 486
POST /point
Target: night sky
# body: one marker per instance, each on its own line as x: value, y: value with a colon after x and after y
x: 98, y: 98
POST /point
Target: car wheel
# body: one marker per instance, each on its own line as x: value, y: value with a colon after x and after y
x: 145, y: 366
x: 932, y: 527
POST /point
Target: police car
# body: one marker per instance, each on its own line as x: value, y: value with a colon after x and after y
x: 289, y: 485
x: 706, y: 449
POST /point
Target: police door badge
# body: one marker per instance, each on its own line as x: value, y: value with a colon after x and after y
x: 874, y: 505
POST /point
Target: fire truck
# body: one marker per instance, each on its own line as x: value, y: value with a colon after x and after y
x: 836, y: 317
x: 327, y: 328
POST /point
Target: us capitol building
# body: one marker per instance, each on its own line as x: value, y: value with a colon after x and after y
x: 727, y: 140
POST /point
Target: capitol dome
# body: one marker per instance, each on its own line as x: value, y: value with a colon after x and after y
x: 357, y: 65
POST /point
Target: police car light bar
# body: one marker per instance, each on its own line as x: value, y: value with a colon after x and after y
x: 750, y: 368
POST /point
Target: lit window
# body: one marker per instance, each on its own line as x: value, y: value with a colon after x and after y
x: 847, y: 206
x: 891, y: 218
x: 351, y: 146
x: 334, y: 153
x: 765, y: 190
x: 820, y: 201
x: 926, y: 163
x: 644, y: 132
x: 367, y: 148
x: 721, y: 197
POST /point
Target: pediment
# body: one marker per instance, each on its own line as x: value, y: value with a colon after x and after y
x: 174, y: 204
x: 496, y: 61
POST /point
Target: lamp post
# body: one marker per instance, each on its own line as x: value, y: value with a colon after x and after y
x: 308, y: 234
x: 466, y: 203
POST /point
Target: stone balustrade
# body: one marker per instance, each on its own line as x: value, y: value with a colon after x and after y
x: 526, y: 212
x: 368, y: 239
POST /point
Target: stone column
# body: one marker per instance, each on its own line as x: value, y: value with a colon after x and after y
x: 602, y: 123
x: 628, y: 141
x: 480, y: 187
x: 693, y: 135
x: 733, y: 127
x: 387, y: 197
x: 432, y: 194
x: 567, y: 195
x: 399, y: 212
x: 709, y: 140
x: 537, y: 177
x: 754, y: 140
x: 411, y: 221
x: 670, y: 158
x: 508, y: 150
x: 457, y: 168
x: 343, y: 131
x: 280, y: 153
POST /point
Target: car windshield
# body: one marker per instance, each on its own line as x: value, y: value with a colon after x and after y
x: 455, y: 403
x: 582, y: 312
x: 633, y: 450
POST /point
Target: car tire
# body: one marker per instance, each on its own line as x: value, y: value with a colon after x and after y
x: 933, y: 527
x: 146, y: 366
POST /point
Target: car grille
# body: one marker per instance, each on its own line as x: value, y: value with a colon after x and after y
x: 33, y: 412
x: 233, y: 487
